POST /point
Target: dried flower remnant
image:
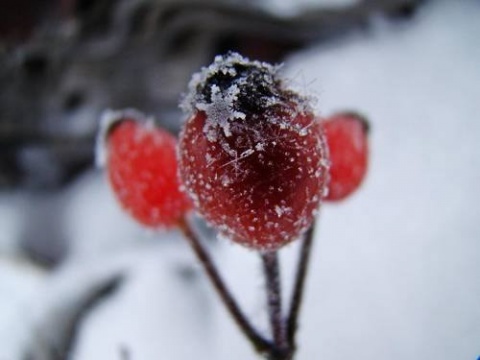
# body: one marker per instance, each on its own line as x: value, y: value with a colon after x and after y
x: 250, y: 155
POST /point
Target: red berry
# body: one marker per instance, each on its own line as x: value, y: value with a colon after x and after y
x: 142, y: 169
x: 249, y: 154
x: 347, y: 139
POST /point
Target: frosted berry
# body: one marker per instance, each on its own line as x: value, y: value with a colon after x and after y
x: 142, y: 170
x: 250, y: 156
x: 347, y: 139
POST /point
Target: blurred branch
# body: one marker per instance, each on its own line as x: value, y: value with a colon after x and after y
x: 271, y: 269
x: 115, y: 54
x: 65, y: 326
x: 299, y: 285
x: 260, y: 344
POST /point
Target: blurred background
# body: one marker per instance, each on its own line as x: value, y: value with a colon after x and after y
x: 80, y: 280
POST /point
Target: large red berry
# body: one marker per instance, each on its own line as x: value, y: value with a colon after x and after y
x: 347, y: 139
x: 249, y: 153
x: 142, y: 169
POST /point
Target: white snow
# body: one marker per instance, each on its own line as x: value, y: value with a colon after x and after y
x: 401, y: 280
x: 20, y: 283
x: 158, y: 313
x: 395, y: 268
x: 95, y: 222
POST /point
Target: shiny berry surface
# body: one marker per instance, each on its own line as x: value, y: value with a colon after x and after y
x: 142, y: 169
x: 250, y: 156
x: 347, y: 139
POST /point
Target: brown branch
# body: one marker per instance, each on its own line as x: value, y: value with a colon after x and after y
x: 260, y: 344
x: 274, y: 300
x: 298, y: 289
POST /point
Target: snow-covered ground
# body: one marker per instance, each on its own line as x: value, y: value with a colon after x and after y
x: 396, y: 271
x: 395, y: 268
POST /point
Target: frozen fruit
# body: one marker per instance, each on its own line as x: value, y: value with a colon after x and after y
x: 347, y: 139
x: 249, y: 153
x: 142, y: 169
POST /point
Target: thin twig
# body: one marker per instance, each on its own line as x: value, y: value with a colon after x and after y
x: 56, y: 337
x: 274, y: 299
x: 298, y: 288
x: 125, y: 353
x: 258, y: 341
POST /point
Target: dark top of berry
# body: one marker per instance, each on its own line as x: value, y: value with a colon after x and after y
x: 234, y: 87
x: 361, y: 118
x: 109, y: 120
x: 256, y: 85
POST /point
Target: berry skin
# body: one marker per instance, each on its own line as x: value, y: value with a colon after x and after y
x: 347, y: 139
x: 250, y: 156
x: 142, y: 170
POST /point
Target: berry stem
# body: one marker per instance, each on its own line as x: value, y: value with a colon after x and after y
x: 298, y: 288
x: 274, y: 299
x: 260, y: 344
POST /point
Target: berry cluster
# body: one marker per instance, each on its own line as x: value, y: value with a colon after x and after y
x: 253, y: 160
x: 252, y: 157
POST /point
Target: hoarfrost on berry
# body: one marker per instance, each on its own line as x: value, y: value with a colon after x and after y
x: 142, y: 168
x: 249, y: 137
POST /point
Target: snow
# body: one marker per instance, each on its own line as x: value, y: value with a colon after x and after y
x: 168, y: 305
x: 95, y: 222
x: 19, y: 283
x: 401, y: 280
x: 395, y: 267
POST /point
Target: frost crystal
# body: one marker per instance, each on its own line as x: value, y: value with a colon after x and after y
x: 235, y: 88
x: 220, y: 110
